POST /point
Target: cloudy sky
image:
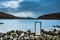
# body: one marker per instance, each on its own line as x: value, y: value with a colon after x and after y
x: 29, y: 8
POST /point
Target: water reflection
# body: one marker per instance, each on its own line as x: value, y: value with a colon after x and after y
x: 24, y: 25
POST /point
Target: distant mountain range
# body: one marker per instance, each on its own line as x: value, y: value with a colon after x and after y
x: 47, y: 16
x: 50, y: 16
x: 8, y: 16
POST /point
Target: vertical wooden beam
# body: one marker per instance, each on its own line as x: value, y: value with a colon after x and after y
x: 40, y: 27
x: 35, y: 28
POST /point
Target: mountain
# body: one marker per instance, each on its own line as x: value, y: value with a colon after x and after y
x: 8, y: 16
x: 50, y: 16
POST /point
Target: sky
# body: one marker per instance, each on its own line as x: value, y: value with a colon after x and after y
x: 29, y: 8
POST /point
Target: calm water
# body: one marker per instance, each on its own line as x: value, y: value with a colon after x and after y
x: 24, y: 25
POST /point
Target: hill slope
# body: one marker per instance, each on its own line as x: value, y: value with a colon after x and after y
x: 7, y: 16
x: 50, y: 16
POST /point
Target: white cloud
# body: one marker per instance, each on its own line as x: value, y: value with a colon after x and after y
x: 10, y: 4
x: 20, y: 0
x: 24, y: 14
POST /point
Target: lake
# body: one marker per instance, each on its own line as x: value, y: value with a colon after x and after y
x: 25, y: 24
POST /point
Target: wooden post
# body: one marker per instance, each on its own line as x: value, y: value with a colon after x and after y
x: 40, y: 27
x: 35, y: 28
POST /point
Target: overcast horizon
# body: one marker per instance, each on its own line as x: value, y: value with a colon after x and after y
x: 29, y: 8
